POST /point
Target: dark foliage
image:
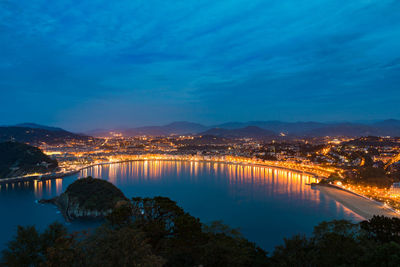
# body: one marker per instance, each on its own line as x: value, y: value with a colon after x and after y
x: 95, y: 194
x: 29, y: 247
x: 160, y: 234
x: 373, y: 176
x: 163, y: 234
x: 124, y: 246
x: 184, y: 241
x: 38, y: 135
x: 371, y: 141
x: 342, y: 243
x: 382, y: 229
x: 20, y: 159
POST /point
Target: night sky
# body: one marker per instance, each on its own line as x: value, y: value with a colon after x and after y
x: 98, y: 64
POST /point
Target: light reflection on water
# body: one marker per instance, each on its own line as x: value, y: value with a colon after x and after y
x: 266, y: 204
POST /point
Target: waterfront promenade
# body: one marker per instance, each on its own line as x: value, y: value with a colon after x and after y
x: 363, y: 206
x: 309, y: 170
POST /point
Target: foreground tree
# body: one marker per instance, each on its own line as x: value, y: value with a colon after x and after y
x: 184, y: 241
x: 145, y: 232
x: 25, y: 249
x: 125, y: 246
x: 387, y: 254
x: 295, y: 251
x: 55, y: 247
x: 67, y: 251
x: 382, y: 229
x: 340, y: 236
x: 163, y: 234
x: 342, y: 243
x: 227, y: 247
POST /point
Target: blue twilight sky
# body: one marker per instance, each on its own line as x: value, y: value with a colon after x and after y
x: 94, y: 64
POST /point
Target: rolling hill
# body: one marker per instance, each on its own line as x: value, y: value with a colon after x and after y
x: 318, y: 129
x: 249, y: 131
x: 38, y: 126
x: 18, y: 159
x: 175, y: 128
x: 37, y: 135
x: 293, y: 129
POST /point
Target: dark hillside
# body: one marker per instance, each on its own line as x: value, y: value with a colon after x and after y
x: 18, y: 159
x: 37, y: 135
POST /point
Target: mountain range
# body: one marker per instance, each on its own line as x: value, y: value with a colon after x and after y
x: 38, y: 126
x: 248, y: 131
x: 30, y: 132
x: 258, y: 129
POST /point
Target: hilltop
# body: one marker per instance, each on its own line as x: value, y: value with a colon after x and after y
x: 38, y: 126
x: 18, y: 159
x: 37, y: 135
x: 88, y: 198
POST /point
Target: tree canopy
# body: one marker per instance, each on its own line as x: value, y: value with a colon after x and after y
x: 157, y: 232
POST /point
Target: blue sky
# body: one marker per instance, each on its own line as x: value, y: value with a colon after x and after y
x: 94, y: 64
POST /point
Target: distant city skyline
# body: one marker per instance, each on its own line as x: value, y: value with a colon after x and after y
x: 104, y: 64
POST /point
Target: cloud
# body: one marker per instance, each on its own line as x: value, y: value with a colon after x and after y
x: 211, y: 57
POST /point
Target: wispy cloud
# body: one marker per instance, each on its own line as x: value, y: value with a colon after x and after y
x: 211, y: 57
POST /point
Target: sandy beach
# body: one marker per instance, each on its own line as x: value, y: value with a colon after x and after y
x: 360, y: 205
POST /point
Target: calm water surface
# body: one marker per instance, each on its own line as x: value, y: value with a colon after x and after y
x: 266, y: 204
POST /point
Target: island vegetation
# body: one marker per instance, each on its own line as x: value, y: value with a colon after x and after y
x: 17, y: 159
x: 88, y: 198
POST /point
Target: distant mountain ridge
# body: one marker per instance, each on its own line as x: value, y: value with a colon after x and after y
x: 37, y: 135
x: 249, y: 131
x: 175, y: 128
x: 254, y: 129
x: 345, y: 129
x: 293, y: 128
x: 296, y: 129
x: 38, y: 126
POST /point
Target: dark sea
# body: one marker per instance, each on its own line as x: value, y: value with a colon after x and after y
x: 266, y: 204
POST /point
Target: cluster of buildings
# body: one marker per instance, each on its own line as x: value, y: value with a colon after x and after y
x: 336, y: 153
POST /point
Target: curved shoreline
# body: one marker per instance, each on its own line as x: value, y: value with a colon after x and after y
x: 66, y: 174
x: 205, y: 161
x: 359, y: 204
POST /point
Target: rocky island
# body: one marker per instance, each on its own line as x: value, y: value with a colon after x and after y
x: 88, y: 198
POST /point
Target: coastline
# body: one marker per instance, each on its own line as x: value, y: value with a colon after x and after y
x: 66, y: 174
x: 360, y: 205
x: 206, y: 161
